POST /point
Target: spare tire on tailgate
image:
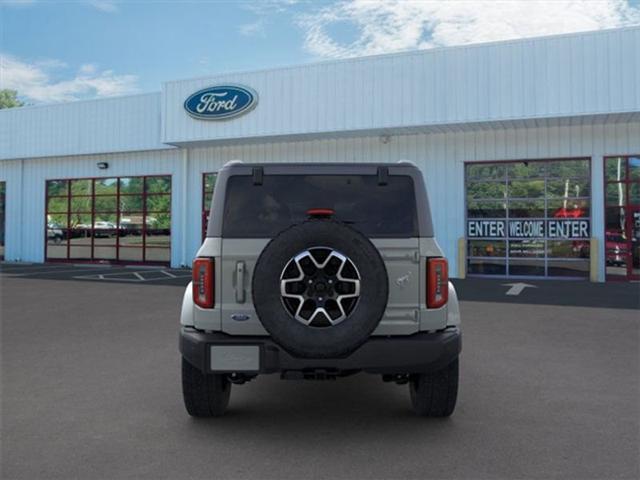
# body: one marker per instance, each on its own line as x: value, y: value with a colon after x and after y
x: 320, y: 288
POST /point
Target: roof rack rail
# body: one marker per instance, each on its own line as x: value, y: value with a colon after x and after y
x: 233, y: 162
x: 407, y: 162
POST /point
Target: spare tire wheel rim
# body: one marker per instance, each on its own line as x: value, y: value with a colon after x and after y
x: 320, y: 287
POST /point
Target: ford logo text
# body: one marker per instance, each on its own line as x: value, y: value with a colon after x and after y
x: 221, y: 102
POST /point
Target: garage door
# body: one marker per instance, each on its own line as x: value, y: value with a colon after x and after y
x: 120, y: 219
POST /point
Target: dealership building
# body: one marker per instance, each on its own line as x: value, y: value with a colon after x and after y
x: 530, y: 150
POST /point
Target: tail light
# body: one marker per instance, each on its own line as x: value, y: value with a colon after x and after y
x: 321, y: 212
x: 437, y: 282
x: 203, y: 286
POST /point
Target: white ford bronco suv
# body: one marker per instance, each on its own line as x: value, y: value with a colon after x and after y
x: 319, y: 271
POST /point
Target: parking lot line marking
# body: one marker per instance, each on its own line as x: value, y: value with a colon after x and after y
x: 136, y: 277
x: 118, y: 276
x: 169, y: 274
x: 103, y: 277
x: 169, y: 278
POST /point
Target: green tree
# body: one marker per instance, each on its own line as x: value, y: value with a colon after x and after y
x: 9, y: 99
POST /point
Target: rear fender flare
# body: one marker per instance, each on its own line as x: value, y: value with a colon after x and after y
x: 187, y: 312
x: 453, y: 308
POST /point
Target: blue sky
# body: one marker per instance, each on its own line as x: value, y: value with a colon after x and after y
x: 53, y: 51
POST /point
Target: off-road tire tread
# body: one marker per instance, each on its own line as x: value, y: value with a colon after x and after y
x: 435, y: 394
x: 204, y: 395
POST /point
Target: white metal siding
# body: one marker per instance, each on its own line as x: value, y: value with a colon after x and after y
x: 441, y: 157
x: 97, y: 126
x: 26, y: 203
x: 562, y: 76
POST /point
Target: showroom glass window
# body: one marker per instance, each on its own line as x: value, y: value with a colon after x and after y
x: 622, y: 217
x: 528, y: 218
x: 119, y: 219
x: 208, y: 184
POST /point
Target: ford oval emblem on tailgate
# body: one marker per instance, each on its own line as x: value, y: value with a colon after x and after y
x: 221, y: 102
x: 240, y: 317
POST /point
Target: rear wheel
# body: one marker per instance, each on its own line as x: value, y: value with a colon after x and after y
x: 205, y: 395
x: 435, y: 394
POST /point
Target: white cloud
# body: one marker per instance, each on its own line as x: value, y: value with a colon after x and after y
x: 88, y: 69
x: 253, y: 29
x: 264, y: 7
x: 394, y: 25
x: 35, y: 81
x: 265, y: 10
x: 108, y: 6
x: 50, y: 63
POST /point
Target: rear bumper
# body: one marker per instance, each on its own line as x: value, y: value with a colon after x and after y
x: 418, y: 353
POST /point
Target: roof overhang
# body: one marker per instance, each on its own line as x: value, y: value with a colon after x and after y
x: 568, y: 121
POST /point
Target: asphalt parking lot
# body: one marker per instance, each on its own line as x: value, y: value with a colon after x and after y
x: 144, y: 275
x: 550, y: 388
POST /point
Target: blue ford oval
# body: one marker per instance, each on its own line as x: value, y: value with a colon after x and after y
x: 221, y: 102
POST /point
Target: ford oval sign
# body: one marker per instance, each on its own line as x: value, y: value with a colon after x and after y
x: 221, y: 102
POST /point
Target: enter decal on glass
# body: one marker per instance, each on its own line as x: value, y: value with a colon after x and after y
x: 554, y: 229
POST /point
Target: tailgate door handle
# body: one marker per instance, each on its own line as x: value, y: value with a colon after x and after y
x: 240, y: 269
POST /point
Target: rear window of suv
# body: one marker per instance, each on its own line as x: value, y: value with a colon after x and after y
x: 263, y: 211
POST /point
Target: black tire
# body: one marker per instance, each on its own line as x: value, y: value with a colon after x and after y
x: 333, y: 341
x: 435, y: 394
x: 204, y: 395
